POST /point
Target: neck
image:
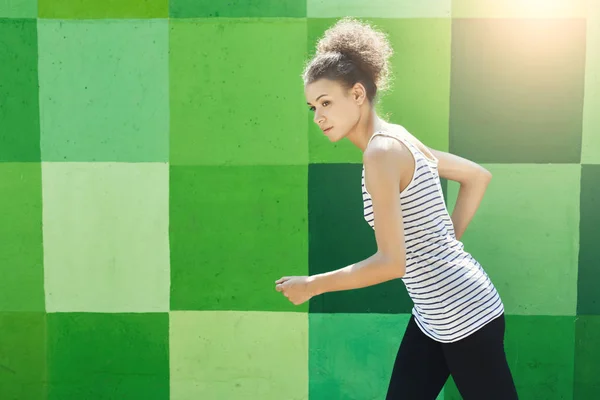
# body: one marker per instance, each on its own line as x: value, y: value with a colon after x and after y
x: 368, y: 124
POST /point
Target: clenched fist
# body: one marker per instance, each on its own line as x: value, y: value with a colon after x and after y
x: 295, y: 288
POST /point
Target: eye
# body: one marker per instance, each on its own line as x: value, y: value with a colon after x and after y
x: 324, y: 103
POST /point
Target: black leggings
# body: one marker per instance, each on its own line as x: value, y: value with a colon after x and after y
x: 477, y: 364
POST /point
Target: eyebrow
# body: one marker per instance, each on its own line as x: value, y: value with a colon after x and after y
x: 324, y: 94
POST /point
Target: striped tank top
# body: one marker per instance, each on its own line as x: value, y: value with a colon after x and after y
x: 452, y: 294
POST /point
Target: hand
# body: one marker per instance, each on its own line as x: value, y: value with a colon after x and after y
x: 295, y: 288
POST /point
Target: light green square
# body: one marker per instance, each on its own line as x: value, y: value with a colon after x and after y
x: 238, y: 355
x: 526, y: 236
x: 518, y: 9
x: 18, y: 8
x: 236, y: 93
x: 380, y: 8
x: 104, y: 90
x: 419, y: 98
x: 591, y: 103
x: 106, y: 243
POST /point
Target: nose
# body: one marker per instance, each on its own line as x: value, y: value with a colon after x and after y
x: 318, y: 119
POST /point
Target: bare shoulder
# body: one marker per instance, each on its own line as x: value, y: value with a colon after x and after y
x: 385, y: 160
x: 384, y: 150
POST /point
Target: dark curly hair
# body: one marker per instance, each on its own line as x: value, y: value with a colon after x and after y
x: 352, y: 51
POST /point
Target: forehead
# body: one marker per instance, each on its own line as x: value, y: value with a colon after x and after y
x: 322, y: 86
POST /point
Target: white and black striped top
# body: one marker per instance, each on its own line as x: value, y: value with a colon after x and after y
x: 452, y: 294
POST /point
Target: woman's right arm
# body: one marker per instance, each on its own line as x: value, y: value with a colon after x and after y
x: 473, y: 180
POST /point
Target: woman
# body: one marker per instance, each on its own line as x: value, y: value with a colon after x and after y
x: 457, y: 323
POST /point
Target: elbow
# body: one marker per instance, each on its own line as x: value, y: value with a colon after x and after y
x: 396, y: 269
x: 484, y: 175
x: 393, y: 266
x: 479, y: 177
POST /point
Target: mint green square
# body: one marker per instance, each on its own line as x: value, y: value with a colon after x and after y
x: 591, y: 103
x: 238, y: 355
x: 539, y: 351
x: 18, y: 8
x: 526, y: 235
x: 106, y: 241
x: 233, y: 232
x: 419, y: 96
x: 21, y: 251
x: 380, y: 8
x: 352, y: 355
x: 104, y: 90
x: 236, y: 94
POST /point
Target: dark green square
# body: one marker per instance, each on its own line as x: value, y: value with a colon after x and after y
x: 19, y: 101
x: 340, y: 236
x: 588, y: 299
x: 517, y: 89
x: 21, y: 246
x: 233, y: 232
x: 587, y: 357
x: 96, y: 356
x: 22, y: 356
x: 237, y: 8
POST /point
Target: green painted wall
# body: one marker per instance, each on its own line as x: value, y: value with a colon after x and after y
x: 159, y: 170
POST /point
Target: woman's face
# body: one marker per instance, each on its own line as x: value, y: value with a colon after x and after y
x: 336, y: 109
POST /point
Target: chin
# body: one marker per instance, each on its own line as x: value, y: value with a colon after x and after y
x: 335, y: 138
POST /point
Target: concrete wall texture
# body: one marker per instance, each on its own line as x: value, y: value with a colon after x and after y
x: 159, y: 170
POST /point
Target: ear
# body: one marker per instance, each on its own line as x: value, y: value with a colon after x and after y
x: 359, y: 93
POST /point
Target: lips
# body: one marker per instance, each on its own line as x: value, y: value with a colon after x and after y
x: 327, y: 130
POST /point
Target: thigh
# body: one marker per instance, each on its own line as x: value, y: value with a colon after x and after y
x: 478, y: 364
x: 420, y: 369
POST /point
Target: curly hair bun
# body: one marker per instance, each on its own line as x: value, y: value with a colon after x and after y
x: 363, y: 44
